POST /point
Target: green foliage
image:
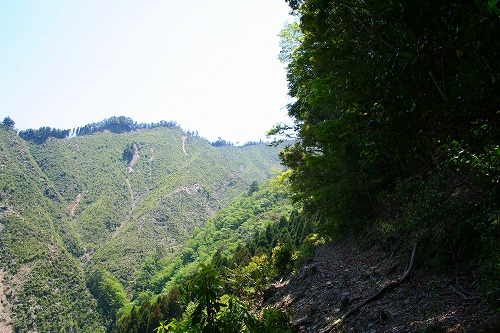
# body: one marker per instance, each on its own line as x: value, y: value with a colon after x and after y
x: 114, y: 125
x: 249, y: 281
x: 108, y: 291
x: 214, y: 312
x: 253, y: 187
x: 126, y: 223
x: 274, y: 321
x: 380, y: 88
x: 8, y: 122
x: 290, y: 39
x: 57, y: 288
x: 226, y: 233
x: 234, y: 269
x: 331, y: 183
x: 453, y: 217
x: 128, y: 153
x: 389, y: 97
x: 42, y: 134
x: 37, y: 245
x: 147, y: 317
x: 283, y: 257
x: 450, y: 217
x: 483, y: 165
x: 205, y: 289
x: 285, y: 242
x: 122, y: 209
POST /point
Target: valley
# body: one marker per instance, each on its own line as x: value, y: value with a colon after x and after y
x: 76, y: 206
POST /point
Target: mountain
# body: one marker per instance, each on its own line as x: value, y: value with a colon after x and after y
x: 41, y: 282
x: 96, y: 212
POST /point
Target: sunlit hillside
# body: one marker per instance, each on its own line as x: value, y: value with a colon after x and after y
x: 107, y: 205
x: 42, y: 285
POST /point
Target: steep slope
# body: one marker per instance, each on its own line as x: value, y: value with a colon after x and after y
x: 339, y: 277
x: 235, y: 225
x: 222, y: 240
x: 137, y: 196
x: 43, y: 287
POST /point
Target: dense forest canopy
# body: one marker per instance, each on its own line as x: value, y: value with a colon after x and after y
x: 119, y: 124
x: 386, y: 90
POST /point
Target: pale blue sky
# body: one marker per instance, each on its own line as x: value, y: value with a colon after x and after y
x: 209, y: 65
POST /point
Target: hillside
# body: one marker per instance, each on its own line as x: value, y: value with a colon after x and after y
x: 130, y: 210
x: 98, y: 232
x: 42, y: 285
x: 112, y: 207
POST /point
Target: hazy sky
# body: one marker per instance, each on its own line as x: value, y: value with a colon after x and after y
x: 209, y: 65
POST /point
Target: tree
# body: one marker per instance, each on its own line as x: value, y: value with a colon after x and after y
x: 8, y: 122
x: 128, y: 152
x: 381, y: 88
x: 214, y: 312
x: 108, y: 291
x: 254, y: 187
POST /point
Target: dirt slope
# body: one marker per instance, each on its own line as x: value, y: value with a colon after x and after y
x: 339, y: 277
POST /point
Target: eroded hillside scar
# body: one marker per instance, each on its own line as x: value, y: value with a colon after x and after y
x: 184, y: 137
x: 73, y: 205
x: 152, y: 151
x: 132, y: 203
x: 135, y: 157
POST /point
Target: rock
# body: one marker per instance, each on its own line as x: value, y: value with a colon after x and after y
x: 344, y: 301
x: 269, y: 292
x: 301, y: 321
x: 383, y: 316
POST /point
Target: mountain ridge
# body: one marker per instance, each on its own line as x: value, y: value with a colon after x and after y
x: 37, y: 250
x: 113, y: 213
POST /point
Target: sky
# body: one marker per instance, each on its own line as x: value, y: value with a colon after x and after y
x: 211, y: 66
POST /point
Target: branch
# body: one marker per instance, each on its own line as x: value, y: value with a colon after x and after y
x: 491, y: 325
x: 377, y: 295
x: 441, y: 92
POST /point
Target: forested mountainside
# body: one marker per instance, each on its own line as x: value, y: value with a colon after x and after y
x: 167, y: 185
x: 42, y: 285
x: 103, y: 213
x: 389, y: 202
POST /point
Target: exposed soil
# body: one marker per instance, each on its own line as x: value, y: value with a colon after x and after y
x: 73, y: 205
x: 132, y: 199
x: 135, y: 157
x: 184, y: 138
x: 9, y: 285
x: 152, y: 152
x: 341, y: 276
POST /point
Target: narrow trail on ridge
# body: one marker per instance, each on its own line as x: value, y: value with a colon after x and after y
x: 339, y: 277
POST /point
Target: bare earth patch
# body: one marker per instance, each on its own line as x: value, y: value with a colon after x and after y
x: 135, y: 157
x: 339, y: 277
x: 74, y: 204
x: 184, y: 138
